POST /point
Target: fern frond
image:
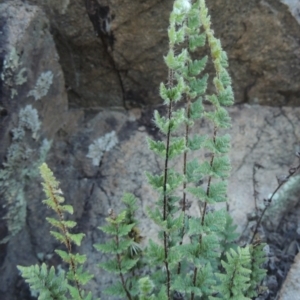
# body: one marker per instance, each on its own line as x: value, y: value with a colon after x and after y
x: 236, y: 280
x: 146, y: 286
x: 47, y: 284
x: 258, y: 273
x: 54, y: 200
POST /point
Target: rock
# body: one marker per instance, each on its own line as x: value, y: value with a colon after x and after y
x: 291, y: 288
x: 283, y: 202
x: 118, y: 63
x: 32, y: 92
x: 123, y: 65
x: 28, y: 59
x: 267, y: 138
x: 294, y: 7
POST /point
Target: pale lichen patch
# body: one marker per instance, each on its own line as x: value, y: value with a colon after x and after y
x: 42, y: 86
x: 9, y: 74
x: 101, y: 145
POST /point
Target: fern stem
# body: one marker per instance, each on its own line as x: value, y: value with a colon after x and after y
x: 194, y: 282
x: 210, y: 177
x: 165, y: 208
x: 166, y: 165
x: 292, y: 172
x: 187, y: 129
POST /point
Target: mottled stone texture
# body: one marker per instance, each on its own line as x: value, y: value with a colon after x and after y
x: 261, y: 38
x: 291, y: 287
x: 27, y: 51
x: 25, y: 30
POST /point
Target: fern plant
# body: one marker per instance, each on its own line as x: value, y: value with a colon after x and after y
x: 196, y: 257
x: 124, y: 245
x: 47, y: 284
x: 209, y: 265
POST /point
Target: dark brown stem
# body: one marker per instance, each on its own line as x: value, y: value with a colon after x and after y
x: 292, y: 172
x: 210, y: 178
x: 194, y: 282
x: 187, y: 129
x: 165, y: 199
x: 254, y: 183
x: 166, y: 164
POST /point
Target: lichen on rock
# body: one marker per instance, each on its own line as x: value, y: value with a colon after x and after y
x: 42, y: 86
x: 20, y: 166
x: 101, y: 145
x: 28, y: 119
x: 283, y: 202
x: 9, y: 75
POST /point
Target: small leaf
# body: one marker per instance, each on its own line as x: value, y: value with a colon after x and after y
x: 177, y: 147
x: 116, y: 290
x: 197, y: 41
x: 226, y: 97
x: 198, y: 86
x: 197, y: 66
x: 76, y: 237
x: 196, y: 142
x: 157, y: 147
x: 63, y: 255
x: 155, y: 253
x: 196, y: 110
x: 156, y: 181
x: 59, y: 237
x: 67, y: 208
x: 192, y: 171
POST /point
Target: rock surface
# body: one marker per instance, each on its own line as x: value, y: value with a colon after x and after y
x: 124, y: 65
x: 291, y: 287
x: 294, y: 7
x: 31, y: 93
x: 30, y: 69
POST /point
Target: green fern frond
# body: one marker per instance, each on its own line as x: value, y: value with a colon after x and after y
x: 258, y: 273
x: 47, y: 284
x: 54, y: 201
x: 146, y: 286
x: 124, y: 245
x: 236, y: 280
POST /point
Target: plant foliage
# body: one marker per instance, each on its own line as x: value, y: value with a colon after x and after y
x: 196, y: 256
x: 45, y: 283
x: 210, y: 265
